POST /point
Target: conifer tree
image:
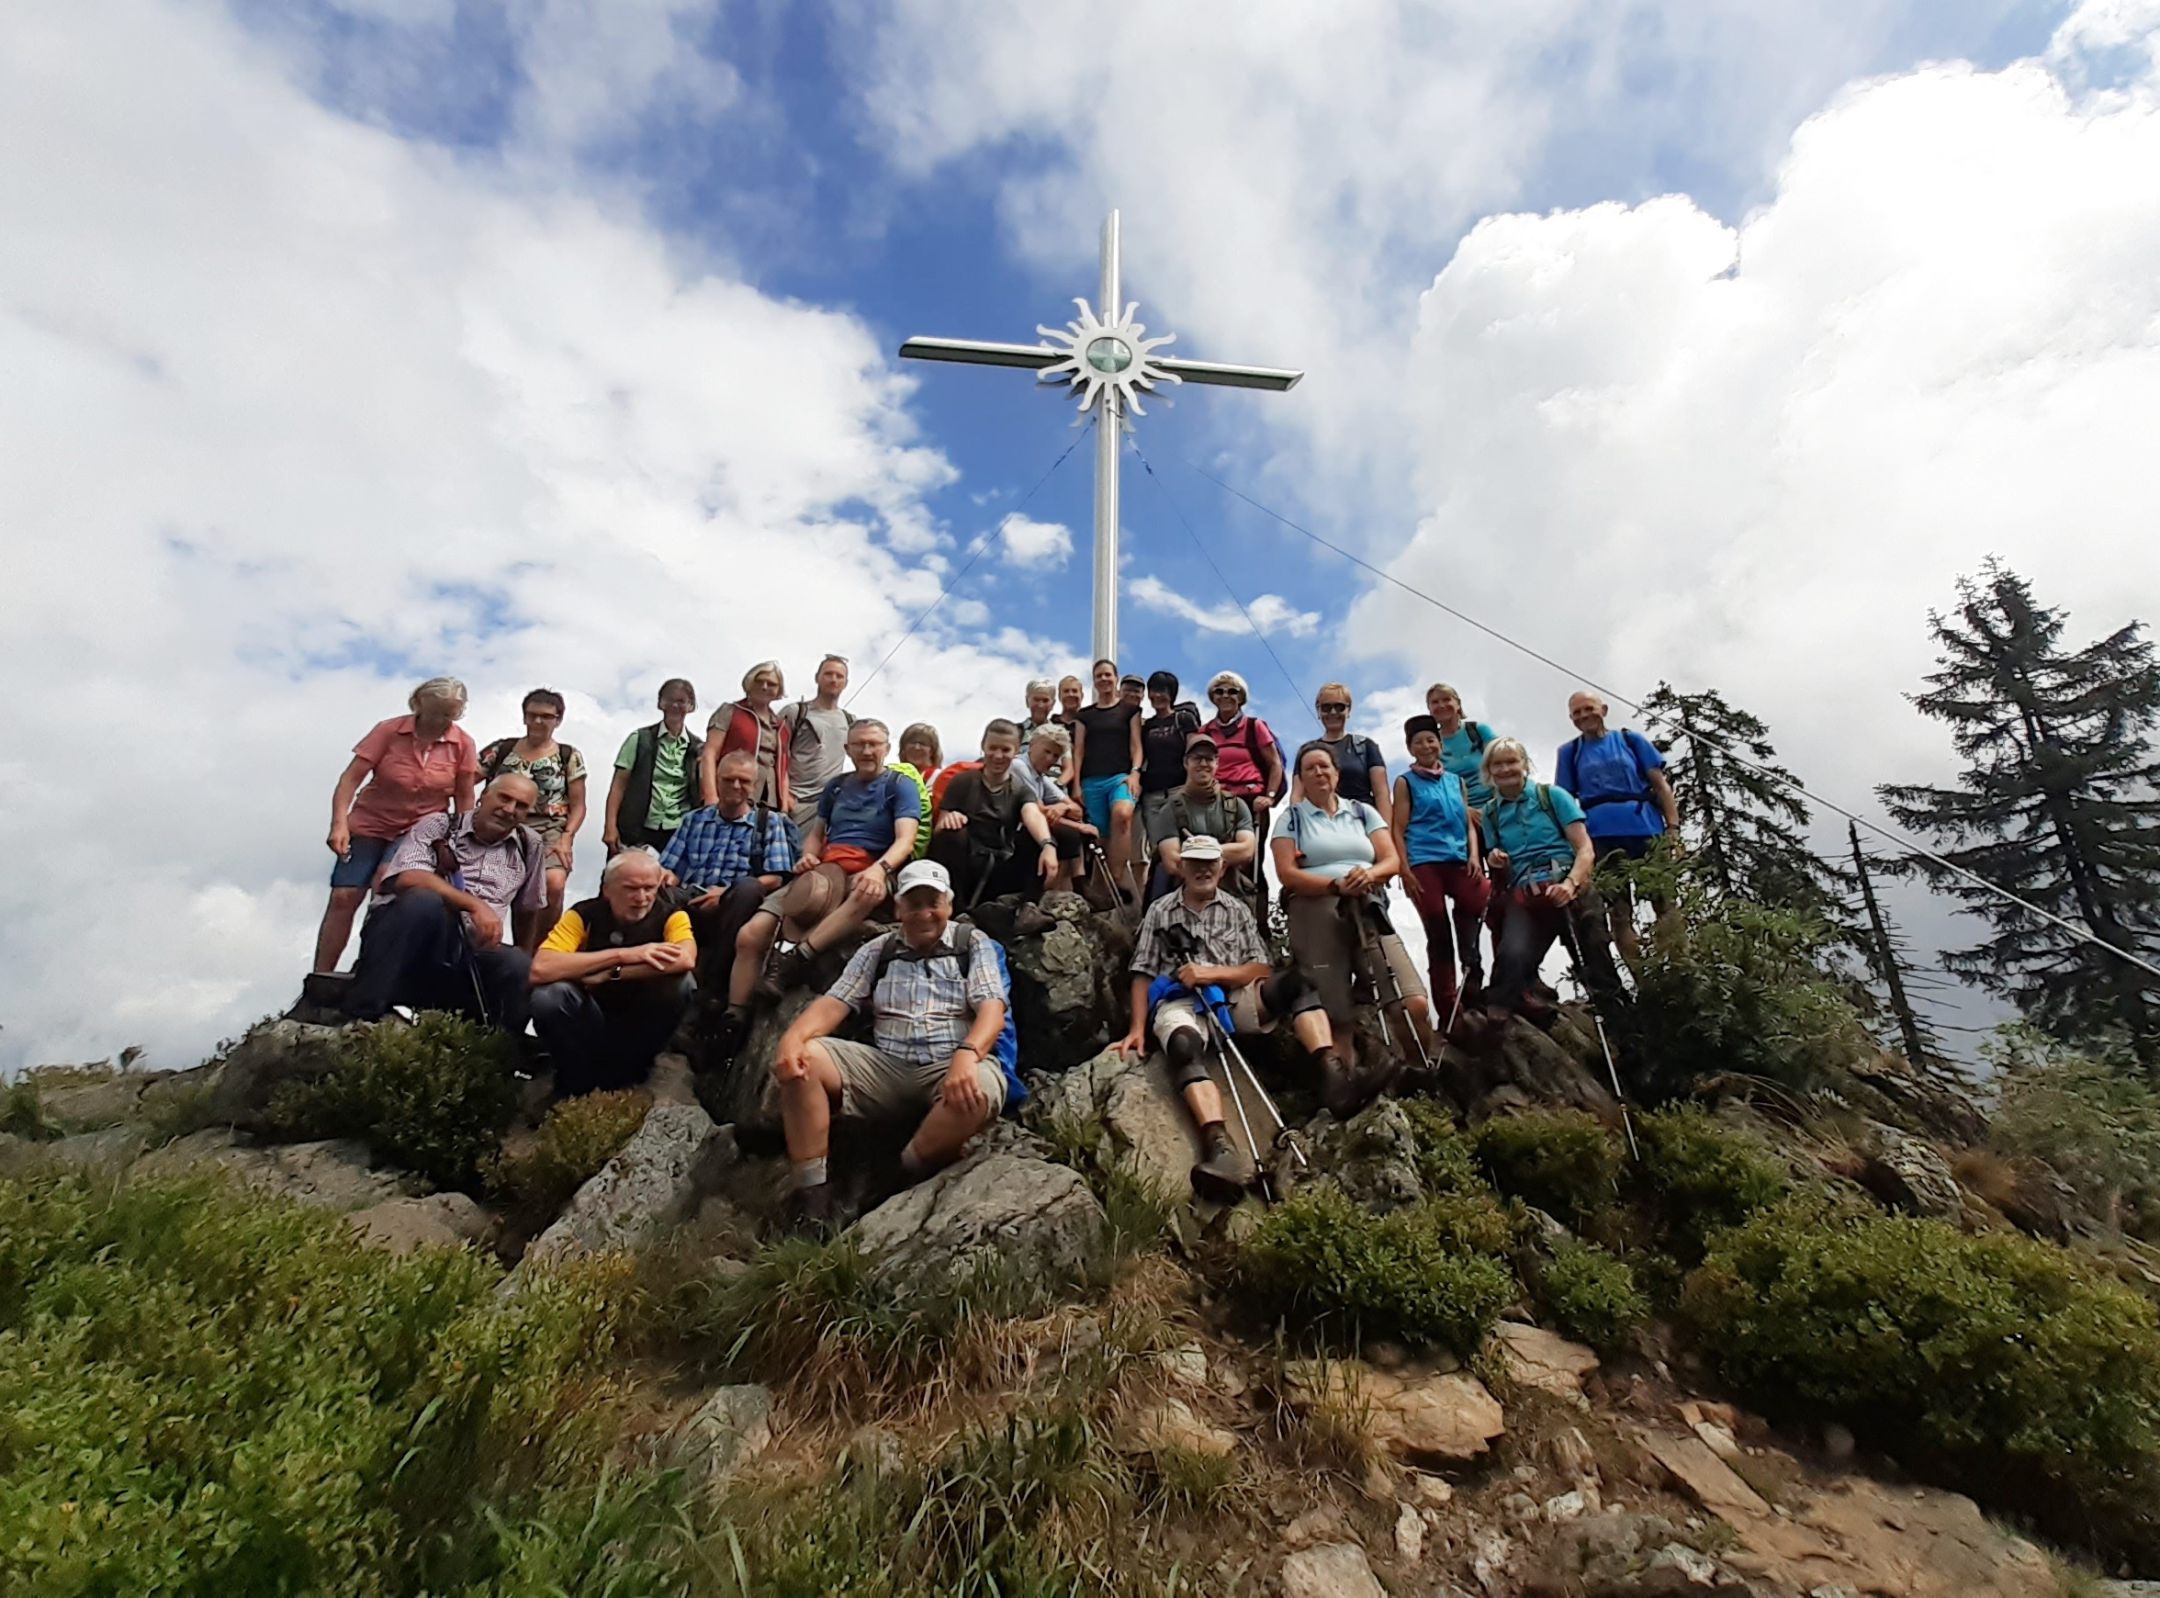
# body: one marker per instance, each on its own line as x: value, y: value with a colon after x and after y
x: 2056, y: 805
x: 1744, y: 823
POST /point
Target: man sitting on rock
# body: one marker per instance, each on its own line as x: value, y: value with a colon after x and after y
x: 1201, y: 809
x: 937, y: 997
x: 439, y: 932
x: 612, y: 980
x: 1200, y: 937
x: 865, y: 831
x: 991, y: 835
x: 730, y: 857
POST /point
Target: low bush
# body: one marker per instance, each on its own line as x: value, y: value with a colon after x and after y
x: 1426, y: 1273
x: 2000, y: 1364
x: 1445, y: 1162
x: 1745, y: 990
x: 1563, y: 1161
x: 1591, y: 1295
x: 433, y: 1096
x: 22, y: 1116
x: 1698, y: 1175
x: 2090, y: 1116
x: 577, y: 1138
x: 207, y: 1391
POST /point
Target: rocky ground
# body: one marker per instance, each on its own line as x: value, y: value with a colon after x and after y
x: 1535, y: 1466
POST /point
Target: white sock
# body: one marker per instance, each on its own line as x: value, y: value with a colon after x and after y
x: 810, y: 1173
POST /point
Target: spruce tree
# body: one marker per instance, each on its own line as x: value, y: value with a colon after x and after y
x: 2056, y: 805
x: 1744, y: 823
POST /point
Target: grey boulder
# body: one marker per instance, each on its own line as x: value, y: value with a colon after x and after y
x: 1003, y: 1216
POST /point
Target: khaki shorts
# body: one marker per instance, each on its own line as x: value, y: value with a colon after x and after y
x: 1325, y: 946
x: 1174, y: 1014
x: 876, y: 1086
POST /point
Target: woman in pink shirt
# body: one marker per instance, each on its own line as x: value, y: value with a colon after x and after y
x: 405, y: 768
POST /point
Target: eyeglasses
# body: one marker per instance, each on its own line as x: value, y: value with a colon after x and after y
x: 1330, y: 706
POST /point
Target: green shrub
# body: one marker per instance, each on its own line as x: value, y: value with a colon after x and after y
x: 1563, y: 1161
x: 433, y: 1096
x: 2001, y: 1364
x: 1421, y: 1273
x: 21, y: 1115
x: 1744, y: 991
x: 2091, y: 1117
x: 1591, y: 1296
x: 203, y: 1390
x: 577, y: 1138
x: 1700, y: 1176
x: 1444, y: 1161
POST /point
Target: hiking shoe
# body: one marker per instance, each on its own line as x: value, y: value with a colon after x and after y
x: 810, y: 1212
x: 1032, y: 921
x: 1223, y: 1174
x: 790, y: 970
x: 1346, y: 1089
x: 728, y: 1034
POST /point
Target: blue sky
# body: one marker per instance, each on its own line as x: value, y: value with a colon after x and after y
x: 555, y: 340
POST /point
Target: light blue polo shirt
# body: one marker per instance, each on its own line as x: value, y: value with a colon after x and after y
x: 1331, y: 846
x: 1534, y: 838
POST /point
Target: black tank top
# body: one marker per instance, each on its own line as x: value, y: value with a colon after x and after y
x: 1109, y: 742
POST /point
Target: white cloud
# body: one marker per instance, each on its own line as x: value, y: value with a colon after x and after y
x: 299, y: 412
x: 1039, y: 546
x: 1271, y: 613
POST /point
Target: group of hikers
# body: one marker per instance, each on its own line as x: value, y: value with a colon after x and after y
x: 737, y: 859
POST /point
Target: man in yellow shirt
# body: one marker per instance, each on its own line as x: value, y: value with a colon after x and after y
x: 611, y: 981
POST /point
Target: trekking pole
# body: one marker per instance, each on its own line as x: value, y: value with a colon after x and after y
x: 1574, y: 943
x: 1233, y: 1056
x: 1370, y: 946
x: 1237, y: 1102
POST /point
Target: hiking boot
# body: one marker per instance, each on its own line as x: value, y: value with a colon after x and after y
x: 810, y: 1213
x: 1346, y: 1089
x: 1223, y: 1174
x: 1032, y: 921
x: 790, y: 970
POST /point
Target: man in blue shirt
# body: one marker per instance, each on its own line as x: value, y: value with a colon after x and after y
x: 864, y: 832
x: 1618, y: 776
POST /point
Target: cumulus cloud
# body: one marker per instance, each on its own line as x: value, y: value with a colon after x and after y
x: 1271, y: 613
x: 299, y: 412
x: 1040, y: 546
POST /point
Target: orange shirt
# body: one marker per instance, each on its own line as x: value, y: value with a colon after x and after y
x: 408, y: 779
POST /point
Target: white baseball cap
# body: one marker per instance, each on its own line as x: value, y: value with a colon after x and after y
x: 1199, y: 847
x: 924, y: 874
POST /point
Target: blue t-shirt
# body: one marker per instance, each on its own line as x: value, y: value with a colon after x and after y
x: 1439, y: 830
x: 1534, y: 838
x: 1331, y: 846
x: 1611, y: 776
x: 863, y: 813
x: 1463, y: 752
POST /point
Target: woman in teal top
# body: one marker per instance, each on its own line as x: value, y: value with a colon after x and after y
x: 1536, y: 843
x: 1333, y: 856
x: 1462, y: 743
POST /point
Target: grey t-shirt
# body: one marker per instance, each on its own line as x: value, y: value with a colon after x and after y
x: 818, y: 752
x: 1043, y: 790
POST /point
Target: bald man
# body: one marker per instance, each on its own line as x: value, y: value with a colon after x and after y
x: 438, y: 934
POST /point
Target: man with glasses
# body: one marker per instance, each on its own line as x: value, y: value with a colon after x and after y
x: 1361, y: 770
x: 1249, y: 762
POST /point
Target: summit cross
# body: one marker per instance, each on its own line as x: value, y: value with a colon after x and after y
x: 1107, y: 356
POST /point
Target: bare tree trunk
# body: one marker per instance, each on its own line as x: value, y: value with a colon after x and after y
x: 1886, y: 958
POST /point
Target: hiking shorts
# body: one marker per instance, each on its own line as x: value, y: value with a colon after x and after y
x: 1098, y: 794
x: 1173, y: 1015
x: 876, y: 1086
x: 357, y: 870
x: 1626, y: 848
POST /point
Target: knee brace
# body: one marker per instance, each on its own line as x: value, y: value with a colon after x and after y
x: 1288, y: 993
x: 1184, y: 1046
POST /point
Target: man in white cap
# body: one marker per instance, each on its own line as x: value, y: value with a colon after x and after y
x: 938, y: 1001
x: 1200, y: 937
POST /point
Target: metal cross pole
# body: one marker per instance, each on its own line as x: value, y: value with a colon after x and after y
x: 1106, y: 356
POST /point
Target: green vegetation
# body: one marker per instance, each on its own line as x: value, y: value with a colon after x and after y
x: 433, y: 1096
x: 203, y: 1391
x: 1698, y: 1175
x: 1566, y: 1162
x: 1427, y: 1273
x: 2000, y: 1363
x: 21, y: 1115
x: 2090, y: 1117
x: 577, y: 1138
x: 1137, y: 1213
x: 1445, y: 1163
x: 1590, y: 1295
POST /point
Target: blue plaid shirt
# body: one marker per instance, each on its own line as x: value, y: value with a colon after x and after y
x: 711, y: 851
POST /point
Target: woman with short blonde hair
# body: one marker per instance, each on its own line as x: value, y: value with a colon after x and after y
x: 750, y: 723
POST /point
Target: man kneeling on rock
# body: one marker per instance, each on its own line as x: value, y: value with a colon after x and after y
x: 1199, y: 937
x: 938, y: 1003
x: 440, y: 932
x: 612, y: 979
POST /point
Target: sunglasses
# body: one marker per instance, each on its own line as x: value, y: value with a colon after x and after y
x: 1330, y: 705
x: 1223, y: 693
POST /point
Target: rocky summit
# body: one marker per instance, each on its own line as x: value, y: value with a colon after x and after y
x: 1489, y: 1336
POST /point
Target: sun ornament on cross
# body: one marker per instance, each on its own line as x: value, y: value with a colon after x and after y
x: 1096, y: 357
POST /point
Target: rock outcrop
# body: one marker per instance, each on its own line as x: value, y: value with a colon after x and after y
x: 1003, y: 1217
x: 272, y: 1054
x: 654, y: 1180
